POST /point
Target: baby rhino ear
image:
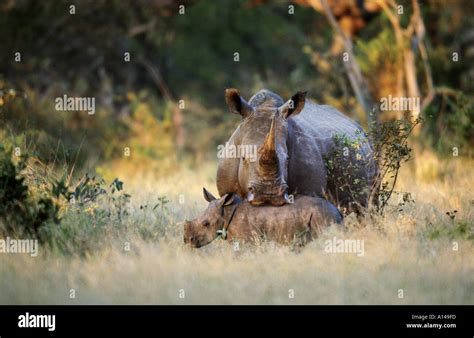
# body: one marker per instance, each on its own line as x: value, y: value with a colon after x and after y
x: 293, y: 106
x: 227, y: 199
x: 207, y: 195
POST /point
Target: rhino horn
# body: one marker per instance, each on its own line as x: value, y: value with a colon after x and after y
x: 269, y: 158
x: 270, y: 138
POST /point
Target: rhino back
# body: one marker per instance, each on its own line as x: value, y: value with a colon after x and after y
x: 284, y: 223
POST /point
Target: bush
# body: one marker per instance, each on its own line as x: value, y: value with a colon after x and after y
x: 390, y: 151
x: 23, y: 209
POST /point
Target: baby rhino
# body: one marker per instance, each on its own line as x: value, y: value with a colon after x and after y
x: 235, y: 220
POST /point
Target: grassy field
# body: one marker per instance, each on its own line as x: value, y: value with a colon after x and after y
x: 410, y: 252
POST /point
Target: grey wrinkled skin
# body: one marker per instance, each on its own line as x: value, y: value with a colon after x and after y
x: 292, y: 156
x: 296, y: 223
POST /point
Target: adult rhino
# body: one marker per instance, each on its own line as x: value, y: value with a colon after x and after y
x: 303, y: 148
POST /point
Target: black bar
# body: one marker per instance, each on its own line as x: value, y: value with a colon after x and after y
x: 304, y: 321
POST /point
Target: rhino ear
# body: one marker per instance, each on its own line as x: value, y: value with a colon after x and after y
x: 208, y: 196
x: 227, y: 199
x: 293, y: 106
x: 237, y: 104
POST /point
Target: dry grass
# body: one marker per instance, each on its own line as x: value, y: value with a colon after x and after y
x: 400, y: 253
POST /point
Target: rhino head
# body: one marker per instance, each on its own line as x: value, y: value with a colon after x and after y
x: 204, y: 229
x: 264, y: 125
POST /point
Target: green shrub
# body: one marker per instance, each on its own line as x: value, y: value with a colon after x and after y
x: 391, y: 150
x: 23, y: 209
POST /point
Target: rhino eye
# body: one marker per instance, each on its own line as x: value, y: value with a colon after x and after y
x: 205, y: 224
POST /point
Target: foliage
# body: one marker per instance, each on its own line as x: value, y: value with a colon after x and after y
x: 377, y: 58
x: 24, y: 207
x: 451, y: 114
x: 391, y: 150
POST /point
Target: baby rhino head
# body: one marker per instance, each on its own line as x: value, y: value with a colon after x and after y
x: 204, y: 229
